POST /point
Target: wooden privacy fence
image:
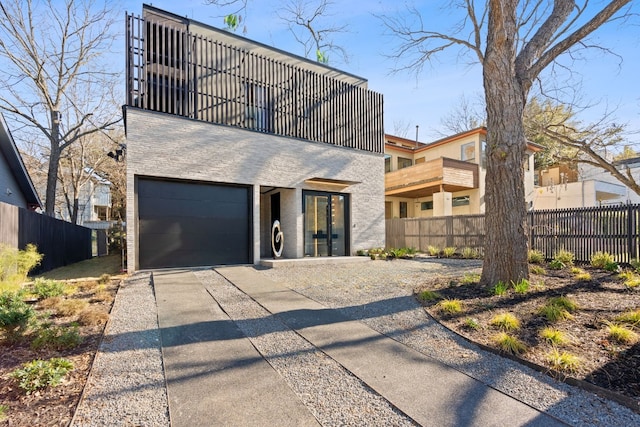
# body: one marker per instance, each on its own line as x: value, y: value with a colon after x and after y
x: 60, y: 242
x: 583, y: 231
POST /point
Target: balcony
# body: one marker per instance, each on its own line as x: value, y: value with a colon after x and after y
x: 430, y: 177
x: 217, y: 77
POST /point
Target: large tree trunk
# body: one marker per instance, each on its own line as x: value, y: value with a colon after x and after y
x: 506, y: 214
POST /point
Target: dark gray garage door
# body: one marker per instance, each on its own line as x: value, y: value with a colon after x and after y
x: 186, y: 224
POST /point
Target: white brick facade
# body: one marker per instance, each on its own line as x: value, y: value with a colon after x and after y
x: 166, y: 146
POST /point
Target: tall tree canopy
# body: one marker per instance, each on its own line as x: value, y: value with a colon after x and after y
x: 514, y: 41
x: 54, y: 80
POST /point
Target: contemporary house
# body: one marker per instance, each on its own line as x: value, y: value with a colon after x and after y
x: 226, y: 135
x: 94, y: 202
x: 442, y: 178
x: 16, y: 187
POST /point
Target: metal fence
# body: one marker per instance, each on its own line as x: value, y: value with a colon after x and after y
x: 60, y: 242
x: 583, y: 231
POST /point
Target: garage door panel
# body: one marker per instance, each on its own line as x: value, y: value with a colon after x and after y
x: 183, y: 224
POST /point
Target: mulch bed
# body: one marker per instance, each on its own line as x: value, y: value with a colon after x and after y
x: 53, y: 406
x: 603, y: 361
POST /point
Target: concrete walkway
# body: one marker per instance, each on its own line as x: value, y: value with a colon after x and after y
x: 216, y: 377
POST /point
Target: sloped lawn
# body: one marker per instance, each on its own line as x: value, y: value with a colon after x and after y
x: 568, y: 321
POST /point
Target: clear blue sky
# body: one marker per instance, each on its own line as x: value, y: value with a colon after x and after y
x: 424, y: 100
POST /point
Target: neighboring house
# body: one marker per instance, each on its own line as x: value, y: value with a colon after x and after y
x: 587, y: 186
x: 16, y: 187
x: 443, y: 178
x: 94, y: 203
x: 226, y: 135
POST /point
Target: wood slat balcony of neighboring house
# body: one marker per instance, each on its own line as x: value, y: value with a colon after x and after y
x: 425, y: 179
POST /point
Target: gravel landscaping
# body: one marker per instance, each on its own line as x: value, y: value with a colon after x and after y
x: 127, y: 382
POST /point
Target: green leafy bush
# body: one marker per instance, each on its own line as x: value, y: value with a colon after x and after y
x: 535, y: 256
x: 56, y: 337
x: 471, y: 323
x: 14, y: 315
x: 39, y: 374
x: 521, y: 286
x: 500, y: 288
x: 44, y: 288
x: 556, y: 264
x: 601, y: 259
x: 15, y: 265
x: 428, y: 296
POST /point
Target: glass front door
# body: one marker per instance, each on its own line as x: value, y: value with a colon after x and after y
x: 325, y: 224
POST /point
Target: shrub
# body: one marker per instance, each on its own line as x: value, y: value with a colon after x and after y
x: 564, y: 257
x: 470, y: 253
x: 44, y: 288
x: 104, y: 279
x: 521, y: 287
x: 621, y: 334
x: 612, y: 266
x: 39, y: 374
x: 92, y: 316
x: 583, y: 277
x: 554, y: 336
x: 631, y: 317
x: 470, y: 278
x: 14, y: 315
x: 450, y: 306
x: 70, y: 307
x: 535, y: 256
x: 536, y: 269
x: 448, y: 252
x: 500, y: 288
x: 556, y: 265
x: 601, y: 259
x: 15, y: 265
x: 565, y: 303
x: 471, y: 323
x: 428, y: 296
x: 565, y: 362
x: 558, y: 308
x: 56, y: 338
x: 509, y: 344
x: 505, y: 321
x: 433, y: 250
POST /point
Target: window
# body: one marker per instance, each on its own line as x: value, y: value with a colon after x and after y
x: 387, y: 163
x: 403, y: 209
x: 460, y: 201
x: 426, y: 206
x: 468, y: 152
x: 420, y: 160
x: 404, y: 163
x: 483, y: 154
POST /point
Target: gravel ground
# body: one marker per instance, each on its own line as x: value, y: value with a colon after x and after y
x: 126, y: 386
x: 127, y: 382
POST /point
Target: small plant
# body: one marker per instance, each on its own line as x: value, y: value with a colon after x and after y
x: 3, y: 412
x: 613, y: 267
x: 576, y: 270
x: 558, y: 308
x: 535, y: 256
x: 536, y: 269
x: 631, y: 279
x: 470, y: 253
x: 635, y: 264
x: 470, y: 278
x: 499, y: 288
x: 564, y: 257
x: 583, y: 277
x: 433, y: 250
x: 556, y: 264
x: 104, y: 279
x: 39, y: 374
x: 361, y: 252
x: 428, y: 296
x: 521, y: 287
x: 631, y: 317
x: 509, y: 344
x: 505, y: 321
x: 601, y: 259
x: 43, y: 288
x: 565, y: 362
x: 15, y: 265
x: 554, y: 336
x: 70, y: 307
x: 92, y: 316
x: 471, y: 323
x: 450, y: 306
x: 448, y: 252
x: 56, y: 338
x: 14, y: 315
x: 621, y: 334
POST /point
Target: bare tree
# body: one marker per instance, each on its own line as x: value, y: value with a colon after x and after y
x: 52, y: 80
x: 514, y: 41
x: 463, y: 117
x: 306, y: 22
